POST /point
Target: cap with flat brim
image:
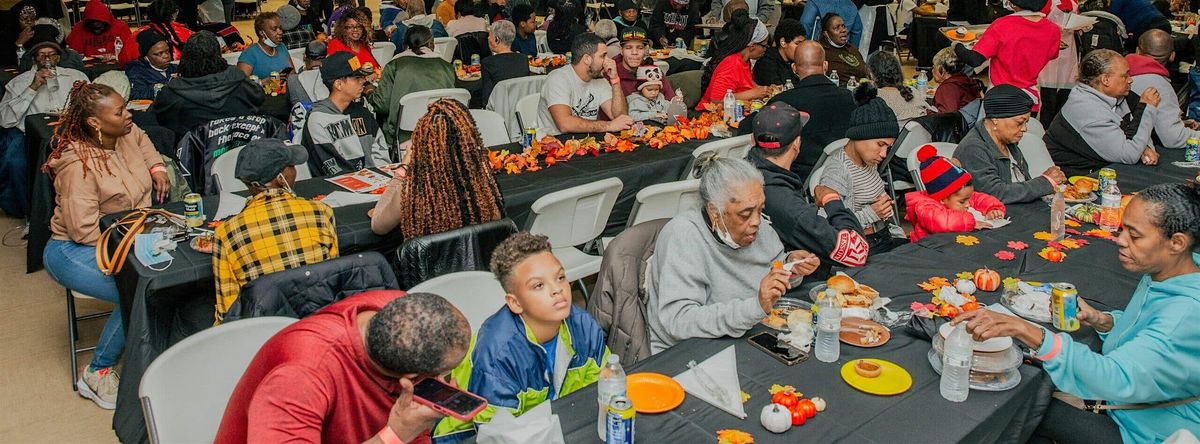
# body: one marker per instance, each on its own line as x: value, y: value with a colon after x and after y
x: 778, y: 125
x: 262, y: 160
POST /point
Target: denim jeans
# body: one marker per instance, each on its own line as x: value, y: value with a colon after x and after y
x: 74, y: 266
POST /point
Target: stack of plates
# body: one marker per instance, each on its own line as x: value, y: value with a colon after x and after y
x: 995, y: 364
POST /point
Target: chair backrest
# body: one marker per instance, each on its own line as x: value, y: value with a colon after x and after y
x: 527, y: 110
x: 689, y: 83
x: 575, y: 215
x: 414, y: 105
x: 304, y: 290
x: 472, y: 43
x: 383, y: 53
x: 491, y: 127
x: 223, y: 168
x: 445, y: 46
x: 664, y: 200
x: 814, y: 177
x: 1036, y: 155
x: 477, y: 294
x: 1034, y: 127
x: 465, y: 249
x: 944, y: 149
x: 232, y: 57
x: 507, y: 93
x: 912, y: 136
x: 297, y: 56
x: 730, y: 147
x: 543, y: 42
x: 662, y: 66
x: 185, y: 390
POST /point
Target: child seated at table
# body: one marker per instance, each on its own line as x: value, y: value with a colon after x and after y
x: 536, y: 348
x: 948, y: 200
x: 648, y: 103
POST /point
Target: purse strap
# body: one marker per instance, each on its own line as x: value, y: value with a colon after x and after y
x: 1099, y: 406
x: 133, y: 223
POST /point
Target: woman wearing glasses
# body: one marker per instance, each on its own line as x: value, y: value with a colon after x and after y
x: 745, y: 39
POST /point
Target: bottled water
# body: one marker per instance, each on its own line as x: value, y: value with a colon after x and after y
x: 923, y: 84
x: 1110, y: 207
x: 829, y: 325
x: 956, y: 364
x: 610, y: 384
x: 730, y: 105
x: 787, y: 86
x: 117, y: 46
x: 833, y: 77
x: 1058, y: 209
x: 852, y: 83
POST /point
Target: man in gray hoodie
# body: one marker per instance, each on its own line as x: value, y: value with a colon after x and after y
x: 1102, y: 121
x: 1156, y: 49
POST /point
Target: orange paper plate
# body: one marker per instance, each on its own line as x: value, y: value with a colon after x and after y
x: 953, y: 35
x: 653, y: 392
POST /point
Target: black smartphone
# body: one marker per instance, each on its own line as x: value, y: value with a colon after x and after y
x: 447, y: 399
x: 769, y: 344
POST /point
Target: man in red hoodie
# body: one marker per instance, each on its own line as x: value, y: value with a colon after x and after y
x: 96, y: 35
x: 1155, y: 49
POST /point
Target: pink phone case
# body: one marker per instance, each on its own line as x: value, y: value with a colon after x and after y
x: 445, y: 411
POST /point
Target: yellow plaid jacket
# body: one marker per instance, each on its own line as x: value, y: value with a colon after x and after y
x: 275, y: 232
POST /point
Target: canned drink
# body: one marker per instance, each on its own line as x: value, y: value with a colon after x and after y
x: 157, y: 88
x: 704, y: 48
x: 527, y: 137
x: 475, y: 59
x: 1192, y: 153
x: 193, y: 210
x: 679, y: 43
x: 739, y: 111
x: 1064, y: 305
x: 1107, y: 175
x: 568, y: 57
x: 620, y: 420
x: 457, y: 65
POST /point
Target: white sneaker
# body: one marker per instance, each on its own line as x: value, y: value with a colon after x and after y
x: 100, y: 386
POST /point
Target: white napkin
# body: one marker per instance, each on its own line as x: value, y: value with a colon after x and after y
x: 950, y: 296
x: 722, y: 368
x: 995, y: 223
x: 536, y: 425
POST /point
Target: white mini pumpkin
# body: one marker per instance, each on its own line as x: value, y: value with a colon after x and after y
x: 775, y: 418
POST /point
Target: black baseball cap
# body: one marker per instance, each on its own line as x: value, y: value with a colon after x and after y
x: 343, y: 64
x: 262, y: 160
x: 778, y: 125
x: 316, y: 50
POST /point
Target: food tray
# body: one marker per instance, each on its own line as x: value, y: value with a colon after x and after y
x: 982, y: 381
x: 985, y: 362
x: 1008, y: 300
x: 785, y: 306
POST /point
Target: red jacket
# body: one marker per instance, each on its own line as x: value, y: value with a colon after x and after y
x: 93, y: 45
x: 956, y: 92
x: 929, y: 216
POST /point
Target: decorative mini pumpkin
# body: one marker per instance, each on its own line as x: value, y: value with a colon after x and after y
x: 965, y: 286
x: 775, y: 418
x: 819, y: 403
x: 987, y: 279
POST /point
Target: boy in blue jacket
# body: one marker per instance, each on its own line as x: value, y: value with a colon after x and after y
x: 536, y: 348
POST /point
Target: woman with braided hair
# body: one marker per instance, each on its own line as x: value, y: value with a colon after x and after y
x: 101, y: 164
x: 445, y: 181
x: 350, y: 34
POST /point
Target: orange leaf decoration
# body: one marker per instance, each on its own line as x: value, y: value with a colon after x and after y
x: 512, y: 168
x: 733, y: 436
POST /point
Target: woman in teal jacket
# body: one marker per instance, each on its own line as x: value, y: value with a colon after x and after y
x: 1151, y: 351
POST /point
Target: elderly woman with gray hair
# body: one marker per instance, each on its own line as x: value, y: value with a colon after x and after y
x: 1102, y: 121
x: 503, y: 64
x: 711, y: 274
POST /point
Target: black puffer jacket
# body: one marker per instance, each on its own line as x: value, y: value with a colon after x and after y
x: 299, y: 292
x: 189, y: 101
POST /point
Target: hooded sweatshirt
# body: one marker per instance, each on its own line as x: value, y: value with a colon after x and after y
x: 343, y: 140
x: 1093, y: 130
x: 1146, y: 73
x: 94, y: 45
x: 189, y: 101
x: 1150, y: 356
x: 929, y: 216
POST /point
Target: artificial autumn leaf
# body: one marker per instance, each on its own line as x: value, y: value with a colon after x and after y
x: 967, y: 240
x: 512, y: 168
x: 934, y: 283
x: 965, y: 275
x: 1043, y: 236
x: 1098, y: 232
x: 1005, y: 255
x: 1081, y: 242
x: 1071, y: 223
x: 1052, y: 255
x: 1055, y: 245
x: 1072, y: 231
x: 1070, y: 244
x: 776, y: 388
x: 1017, y: 245
x: 745, y: 396
x: 732, y: 436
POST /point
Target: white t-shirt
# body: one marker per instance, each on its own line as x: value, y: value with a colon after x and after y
x: 563, y: 87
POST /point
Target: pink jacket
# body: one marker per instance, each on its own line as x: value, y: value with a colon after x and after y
x: 929, y: 216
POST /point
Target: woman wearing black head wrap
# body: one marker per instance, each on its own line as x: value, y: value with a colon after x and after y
x: 990, y: 152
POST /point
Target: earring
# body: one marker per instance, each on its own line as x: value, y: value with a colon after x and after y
x: 99, y: 136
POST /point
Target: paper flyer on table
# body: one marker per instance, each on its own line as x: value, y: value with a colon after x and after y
x: 995, y: 223
x: 361, y: 181
x: 342, y: 198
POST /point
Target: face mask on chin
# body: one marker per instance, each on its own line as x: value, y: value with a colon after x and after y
x: 723, y: 233
x: 269, y: 43
x: 286, y: 187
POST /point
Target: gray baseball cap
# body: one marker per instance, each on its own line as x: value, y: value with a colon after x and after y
x: 262, y: 160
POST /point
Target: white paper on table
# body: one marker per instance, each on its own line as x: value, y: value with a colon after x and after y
x: 1186, y: 164
x: 995, y: 223
x: 722, y: 367
x: 343, y: 198
x: 229, y: 204
x: 537, y: 425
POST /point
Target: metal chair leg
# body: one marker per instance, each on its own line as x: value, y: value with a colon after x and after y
x: 73, y: 333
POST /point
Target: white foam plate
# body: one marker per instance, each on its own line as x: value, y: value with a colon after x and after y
x: 989, y: 346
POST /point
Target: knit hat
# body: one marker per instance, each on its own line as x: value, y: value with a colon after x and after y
x: 873, y: 120
x: 626, y: 4
x: 289, y: 17
x: 146, y: 40
x: 634, y: 33
x: 941, y: 177
x: 649, y: 75
x: 1006, y: 101
x: 1030, y: 5
x: 777, y: 126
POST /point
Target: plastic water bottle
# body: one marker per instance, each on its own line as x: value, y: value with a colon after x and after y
x: 730, y: 106
x: 611, y: 383
x: 833, y: 77
x: 956, y: 364
x: 117, y: 46
x: 829, y: 326
x: 852, y: 83
x: 923, y: 84
x: 1058, y: 211
x: 787, y: 85
x: 1110, y: 207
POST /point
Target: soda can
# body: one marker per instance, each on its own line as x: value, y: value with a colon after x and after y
x: 475, y: 59
x: 1064, y: 305
x: 679, y: 43
x: 739, y: 111
x: 193, y: 210
x: 527, y: 137
x: 1192, y: 153
x: 457, y: 65
x: 568, y: 57
x: 1107, y: 175
x: 620, y: 420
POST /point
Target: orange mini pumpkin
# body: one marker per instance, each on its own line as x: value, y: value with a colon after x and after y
x: 987, y: 279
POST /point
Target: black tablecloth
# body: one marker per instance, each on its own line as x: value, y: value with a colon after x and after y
x: 925, y: 40
x: 161, y: 308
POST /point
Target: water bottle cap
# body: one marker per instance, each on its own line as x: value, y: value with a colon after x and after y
x: 613, y: 358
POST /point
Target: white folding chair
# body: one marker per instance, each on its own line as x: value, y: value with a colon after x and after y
x: 297, y: 56
x: 912, y: 136
x: 383, y: 53
x: 814, y: 177
x: 664, y: 201
x: 543, y: 42
x: 491, y: 127
x: 572, y: 217
x: 415, y: 104
x: 527, y: 110
x: 445, y: 46
x: 1034, y: 128
x: 73, y: 331
x: 232, y: 57
x: 223, y: 171
x: 1036, y: 155
x: 662, y: 66
x: 185, y: 390
x: 505, y: 96
x: 477, y: 294
x: 944, y: 149
x: 731, y: 147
